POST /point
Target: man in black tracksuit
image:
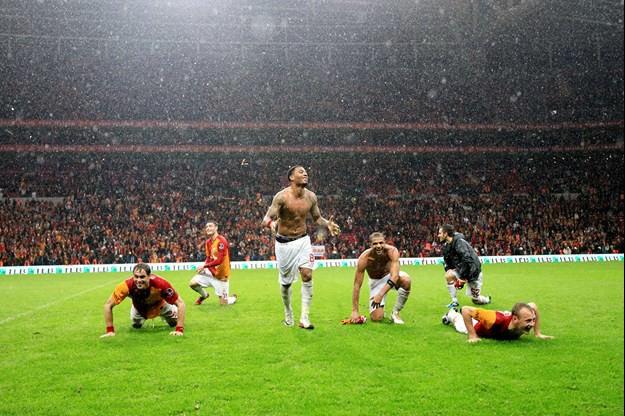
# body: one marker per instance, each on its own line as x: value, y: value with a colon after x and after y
x: 461, y: 266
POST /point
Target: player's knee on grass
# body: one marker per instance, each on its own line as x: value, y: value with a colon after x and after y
x: 172, y: 318
x: 377, y: 315
x: 137, y: 321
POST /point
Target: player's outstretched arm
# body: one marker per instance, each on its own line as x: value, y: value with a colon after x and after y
x: 108, y: 318
x: 333, y: 227
x: 182, y: 309
x: 270, y: 220
x: 315, y: 212
x: 467, y: 317
x: 358, y: 279
x: 537, y: 332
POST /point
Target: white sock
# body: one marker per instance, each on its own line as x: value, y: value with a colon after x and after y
x: 452, y: 292
x: 481, y: 300
x: 286, y: 296
x: 307, y: 294
x: 402, y: 297
x: 231, y: 299
x: 457, y: 320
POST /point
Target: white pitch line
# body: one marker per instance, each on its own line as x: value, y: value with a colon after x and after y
x: 47, y: 305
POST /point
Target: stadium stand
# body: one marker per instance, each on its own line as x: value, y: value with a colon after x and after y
x: 108, y: 208
x: 123, y: 127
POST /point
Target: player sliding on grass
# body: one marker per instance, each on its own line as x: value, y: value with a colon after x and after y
x: 151, y: 296
x: 381, y: 262
x: 480, y: 323
x: 287, y: 218
x: 461, y: 266
x: 215, y: 271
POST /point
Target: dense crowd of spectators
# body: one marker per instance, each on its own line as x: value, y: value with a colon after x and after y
x: 444, y: 114
x: 127, y: 88
x: 444, y: 138
x: 388, y: 69
x: 108, y: 208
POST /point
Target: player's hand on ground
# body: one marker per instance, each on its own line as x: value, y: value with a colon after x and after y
x: 355, y: 317
x: 176, y: 333
x: 108, y: 334
x: 543, y: 336
x: 333, y: 228
x: 473, y: 340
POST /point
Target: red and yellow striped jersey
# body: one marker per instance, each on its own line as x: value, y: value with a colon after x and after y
x: 493, y: 324
x: 218, y: 257
x: 147, y: 302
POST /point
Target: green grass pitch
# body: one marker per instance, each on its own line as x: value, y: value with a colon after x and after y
x: 239, y: 360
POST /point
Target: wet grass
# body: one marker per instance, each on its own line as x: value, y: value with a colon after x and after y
x: 239, y: 360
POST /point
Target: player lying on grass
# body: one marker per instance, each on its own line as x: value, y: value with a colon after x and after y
x: 381, y: 262
x: 151, y: 296
x: 480, y: 323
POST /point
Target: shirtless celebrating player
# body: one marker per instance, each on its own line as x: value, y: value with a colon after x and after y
x: 381, y: 262
x: 287, y: 218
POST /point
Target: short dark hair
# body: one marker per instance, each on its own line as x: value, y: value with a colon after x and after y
x: 518, y: 307
x: 212, y: 222
x: 448, y: 229
x: 142, y: 266
x: 291, y: 170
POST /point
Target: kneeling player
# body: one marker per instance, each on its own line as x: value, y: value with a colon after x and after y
x: 381, y: 262
x: 461, y: 266
x: 215, y: 272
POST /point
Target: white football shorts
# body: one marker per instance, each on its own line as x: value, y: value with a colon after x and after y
x: 169, y: 313
x: 375, y: 285
x: 206, y: 279
x: 293, y: 255
x: 474, y: 287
